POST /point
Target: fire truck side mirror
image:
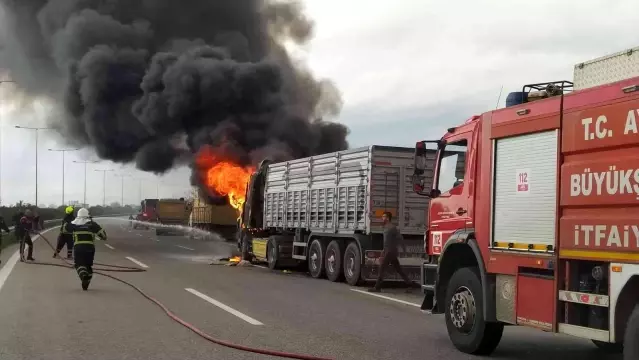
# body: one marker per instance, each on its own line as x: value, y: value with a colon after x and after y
x: 419, y: 185
x: 425, y: 155
x: 420, y: 158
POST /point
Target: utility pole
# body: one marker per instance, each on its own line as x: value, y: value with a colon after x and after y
x: 104, y: 185
x: 2, y: 82
x: 84, y: 201
x: 36, y: 129
x: 63, y: 151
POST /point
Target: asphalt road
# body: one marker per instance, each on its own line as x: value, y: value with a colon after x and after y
x: 44, y: 314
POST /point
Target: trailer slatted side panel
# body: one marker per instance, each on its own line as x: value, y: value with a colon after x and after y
x: 323, y: 193
x: 333, y: 192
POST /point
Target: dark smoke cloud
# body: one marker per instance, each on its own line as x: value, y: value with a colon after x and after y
x: 153, y: 81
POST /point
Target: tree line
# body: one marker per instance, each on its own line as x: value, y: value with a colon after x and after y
x: 9, y: 212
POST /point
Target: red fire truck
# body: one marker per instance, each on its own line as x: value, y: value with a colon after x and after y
x: 533, y: 213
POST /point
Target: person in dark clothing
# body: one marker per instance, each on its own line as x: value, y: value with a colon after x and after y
x: 65, y: 237
x: 392, y: 239
x: 3, y: 226
x: 84, y: 231
x: 27, y: 226
x: 17, y: 229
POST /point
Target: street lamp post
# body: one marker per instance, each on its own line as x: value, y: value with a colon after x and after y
x: 36, y: 129
x: 2, y: 82
x: 122, y: 176
x: 84, y: 201
x: 140, y: 189
x: 63, y: 151
x: 104, y: 185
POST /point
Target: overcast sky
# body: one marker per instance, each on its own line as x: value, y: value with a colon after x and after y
x: 407, y: 70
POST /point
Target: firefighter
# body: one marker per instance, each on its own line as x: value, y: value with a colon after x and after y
x: 65, y: 238
x: 84, y: 231
x: 26, y: 226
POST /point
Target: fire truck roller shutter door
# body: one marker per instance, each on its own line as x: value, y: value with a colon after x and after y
x: 525, y: 192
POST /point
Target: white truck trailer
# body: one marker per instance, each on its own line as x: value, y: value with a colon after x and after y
x: 325, y: 211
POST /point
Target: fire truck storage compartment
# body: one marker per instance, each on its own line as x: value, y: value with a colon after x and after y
x: 346, y: 192
x: 524, y: 192
x: 607, y: 69
x: 534, y: 308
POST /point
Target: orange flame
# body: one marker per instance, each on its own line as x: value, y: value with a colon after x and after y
x: 224, y: 177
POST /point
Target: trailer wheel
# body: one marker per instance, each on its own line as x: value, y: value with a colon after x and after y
x: 631, y: 338
x: 465, y: 323
x: 334, y: 261
x: 272, y: 253
x: 352, y: 264
x: 316, y: 259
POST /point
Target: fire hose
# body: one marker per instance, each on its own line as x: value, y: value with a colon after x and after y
x: 102, y: 268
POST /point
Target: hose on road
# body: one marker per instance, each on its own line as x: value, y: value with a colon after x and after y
x: 117, y: 268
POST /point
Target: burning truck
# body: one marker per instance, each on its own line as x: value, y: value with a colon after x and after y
x: 324, y: 212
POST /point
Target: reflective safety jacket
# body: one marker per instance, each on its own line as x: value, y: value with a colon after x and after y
x: 85, y: 233
x: 67, y: 219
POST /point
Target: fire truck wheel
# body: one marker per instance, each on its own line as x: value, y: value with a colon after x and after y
x: 334, y: 261
x: 465, y: 323
x: 316, y: 259
x: 352, y: 264
x: 631, y: 338
x: 272, y: 253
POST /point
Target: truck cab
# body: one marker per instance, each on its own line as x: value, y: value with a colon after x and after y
x: 147, y: 213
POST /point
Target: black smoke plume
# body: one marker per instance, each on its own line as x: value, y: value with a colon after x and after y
x: 152, y: 81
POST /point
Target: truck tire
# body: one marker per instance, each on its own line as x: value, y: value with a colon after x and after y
x: 352, y: 264
x: 316, y: 259
x: 333, y: 262
x: 244, y: 248
x: 272, y: 253
x: 467, y: 329
x: 631, y: 338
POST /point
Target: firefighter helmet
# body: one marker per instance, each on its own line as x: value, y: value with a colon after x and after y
x: 83, y: 213
x: 68, y: 210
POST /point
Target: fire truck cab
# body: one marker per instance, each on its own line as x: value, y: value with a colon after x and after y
x: 533, y: 217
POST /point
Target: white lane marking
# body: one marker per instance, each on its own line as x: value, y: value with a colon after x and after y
x: 184, y: 247
x: 261, y: 266
x: 139, y: 234
x: 226, y: 308
x: 137, y: 262
x: 5, y: 271
x: 387, y: 298
x: 109, y: 246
